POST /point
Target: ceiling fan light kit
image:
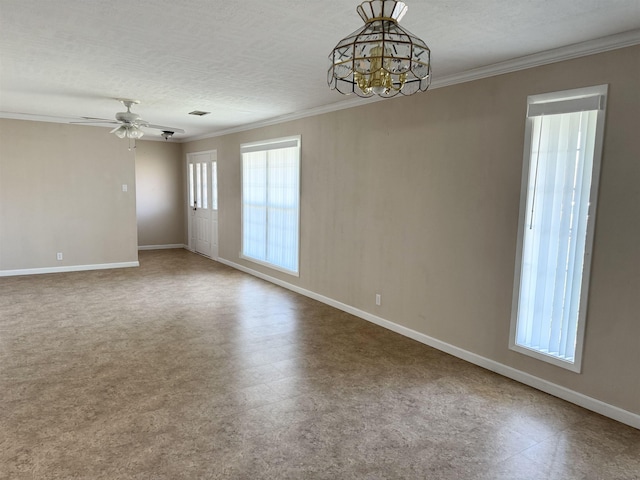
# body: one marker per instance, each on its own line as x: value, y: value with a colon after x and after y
x: 128, y: 131
x: 381, y: 58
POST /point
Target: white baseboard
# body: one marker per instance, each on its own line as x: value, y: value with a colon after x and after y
x: 70, y: 268
x: 559, y: 391
x: 161, y: 247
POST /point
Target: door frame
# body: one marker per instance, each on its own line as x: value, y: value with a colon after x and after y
x: 190, y: 158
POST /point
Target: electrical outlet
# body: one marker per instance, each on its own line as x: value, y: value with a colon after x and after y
x: 378, y: 298
x: 59, y: 255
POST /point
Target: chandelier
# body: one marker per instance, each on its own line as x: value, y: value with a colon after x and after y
x: 381, y: 58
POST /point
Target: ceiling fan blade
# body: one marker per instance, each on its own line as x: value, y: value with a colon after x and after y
x: 95, y: 122
x: 127, y: 119
x: 161, y: 127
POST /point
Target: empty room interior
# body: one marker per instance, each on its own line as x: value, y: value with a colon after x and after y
x: 321, y: 240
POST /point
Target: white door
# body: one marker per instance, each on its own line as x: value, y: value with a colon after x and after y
x: 203, y: 203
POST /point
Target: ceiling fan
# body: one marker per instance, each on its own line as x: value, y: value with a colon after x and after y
x: 129, y: 123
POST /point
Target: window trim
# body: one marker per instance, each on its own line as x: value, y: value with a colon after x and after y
x: 264, y: 145
x: 565, y: 101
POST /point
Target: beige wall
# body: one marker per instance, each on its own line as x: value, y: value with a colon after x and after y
x: 61, y: 191
x: 160, y: 193
x: 417, y: 199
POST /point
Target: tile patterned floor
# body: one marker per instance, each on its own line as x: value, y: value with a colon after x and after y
x: 186, y: 369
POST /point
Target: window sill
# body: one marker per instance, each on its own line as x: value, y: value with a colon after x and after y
x: 270, y: 265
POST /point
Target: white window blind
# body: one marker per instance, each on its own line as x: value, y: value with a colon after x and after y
x: 271, y: 203
x: 562, y: 169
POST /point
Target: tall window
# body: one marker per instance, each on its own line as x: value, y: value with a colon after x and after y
x: 563, y: 146
x: 214, y: 185
x: 271, y: 203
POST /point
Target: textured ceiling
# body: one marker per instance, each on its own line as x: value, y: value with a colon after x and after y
x: 249, y: 61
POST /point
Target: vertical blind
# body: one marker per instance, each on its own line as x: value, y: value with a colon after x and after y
x: 271, y: 202
x: 555, y: 230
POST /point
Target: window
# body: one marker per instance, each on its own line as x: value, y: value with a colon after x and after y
x: 563, y: 145
x: 271, y: 203
x: 198, y: 191
x: 214, y: 185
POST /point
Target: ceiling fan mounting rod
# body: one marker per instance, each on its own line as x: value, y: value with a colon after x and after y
x: 128, y: 102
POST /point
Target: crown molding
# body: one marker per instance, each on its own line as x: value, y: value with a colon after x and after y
x: 69, y: 120
x: 37, y: 117
x: 591, y: 47
x: 311, y: 112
